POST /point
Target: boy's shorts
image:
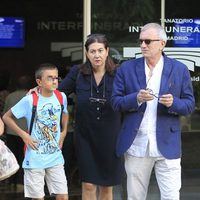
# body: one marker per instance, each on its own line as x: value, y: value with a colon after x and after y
x: 34, y: 181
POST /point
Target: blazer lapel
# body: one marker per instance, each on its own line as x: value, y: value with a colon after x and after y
x: 140, y: 72
x: 165, y: 77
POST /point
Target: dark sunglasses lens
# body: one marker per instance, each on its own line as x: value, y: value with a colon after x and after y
x: 145, y: 41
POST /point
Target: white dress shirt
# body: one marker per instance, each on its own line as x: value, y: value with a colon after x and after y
x: 145, y: 142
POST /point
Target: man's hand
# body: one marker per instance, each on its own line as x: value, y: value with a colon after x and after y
x: 166, y: 100
x: 144, y: 96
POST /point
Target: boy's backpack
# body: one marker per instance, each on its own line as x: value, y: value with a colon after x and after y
x: 35, y: 101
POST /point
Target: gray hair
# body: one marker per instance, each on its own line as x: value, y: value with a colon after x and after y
x: 160, y: 30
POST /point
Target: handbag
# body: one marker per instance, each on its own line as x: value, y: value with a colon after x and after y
x: 8, y: 162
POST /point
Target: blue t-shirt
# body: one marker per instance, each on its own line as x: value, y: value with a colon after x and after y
x: 46, y: 130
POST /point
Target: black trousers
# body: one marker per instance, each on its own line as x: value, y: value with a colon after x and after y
x: 16, y: 145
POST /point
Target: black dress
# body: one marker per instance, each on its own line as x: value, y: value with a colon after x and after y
x: 96, y: 130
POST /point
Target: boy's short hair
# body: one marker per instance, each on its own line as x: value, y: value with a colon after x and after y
x: 42, y: 67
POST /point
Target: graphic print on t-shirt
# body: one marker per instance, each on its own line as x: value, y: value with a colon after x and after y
x: 46, y: 129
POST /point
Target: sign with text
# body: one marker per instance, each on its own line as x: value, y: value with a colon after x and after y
x: 11, y: 32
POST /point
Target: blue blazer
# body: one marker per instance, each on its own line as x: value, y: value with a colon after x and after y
x: 175, y: 79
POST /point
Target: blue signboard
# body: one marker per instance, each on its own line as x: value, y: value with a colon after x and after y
x: 187, y: 33
x: 11, y: 32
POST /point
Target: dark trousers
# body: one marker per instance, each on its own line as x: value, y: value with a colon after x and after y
x: 16, y: 145
x: 68, y: 151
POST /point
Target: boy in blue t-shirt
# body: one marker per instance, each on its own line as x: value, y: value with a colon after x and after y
x: 43, y: 157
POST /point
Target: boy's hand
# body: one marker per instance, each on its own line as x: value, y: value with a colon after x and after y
x: 62, y: 138
x: 28, y: 140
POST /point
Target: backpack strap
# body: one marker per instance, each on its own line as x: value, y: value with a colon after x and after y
x: 35, y: 101
x: 60, y: 99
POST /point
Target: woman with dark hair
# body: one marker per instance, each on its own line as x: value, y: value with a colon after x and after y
x: 96, y: 124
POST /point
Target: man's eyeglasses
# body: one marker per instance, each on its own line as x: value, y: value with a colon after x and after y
x: 156, y: 95
x: 147, y: 41
x: 51, y: 79
x: 97, y: 100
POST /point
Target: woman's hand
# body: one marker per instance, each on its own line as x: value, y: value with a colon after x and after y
x: 35, y: 89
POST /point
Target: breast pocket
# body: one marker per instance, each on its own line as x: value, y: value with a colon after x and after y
x: 82, y: 88
x: 83, y: 92
x: 174, y: 89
